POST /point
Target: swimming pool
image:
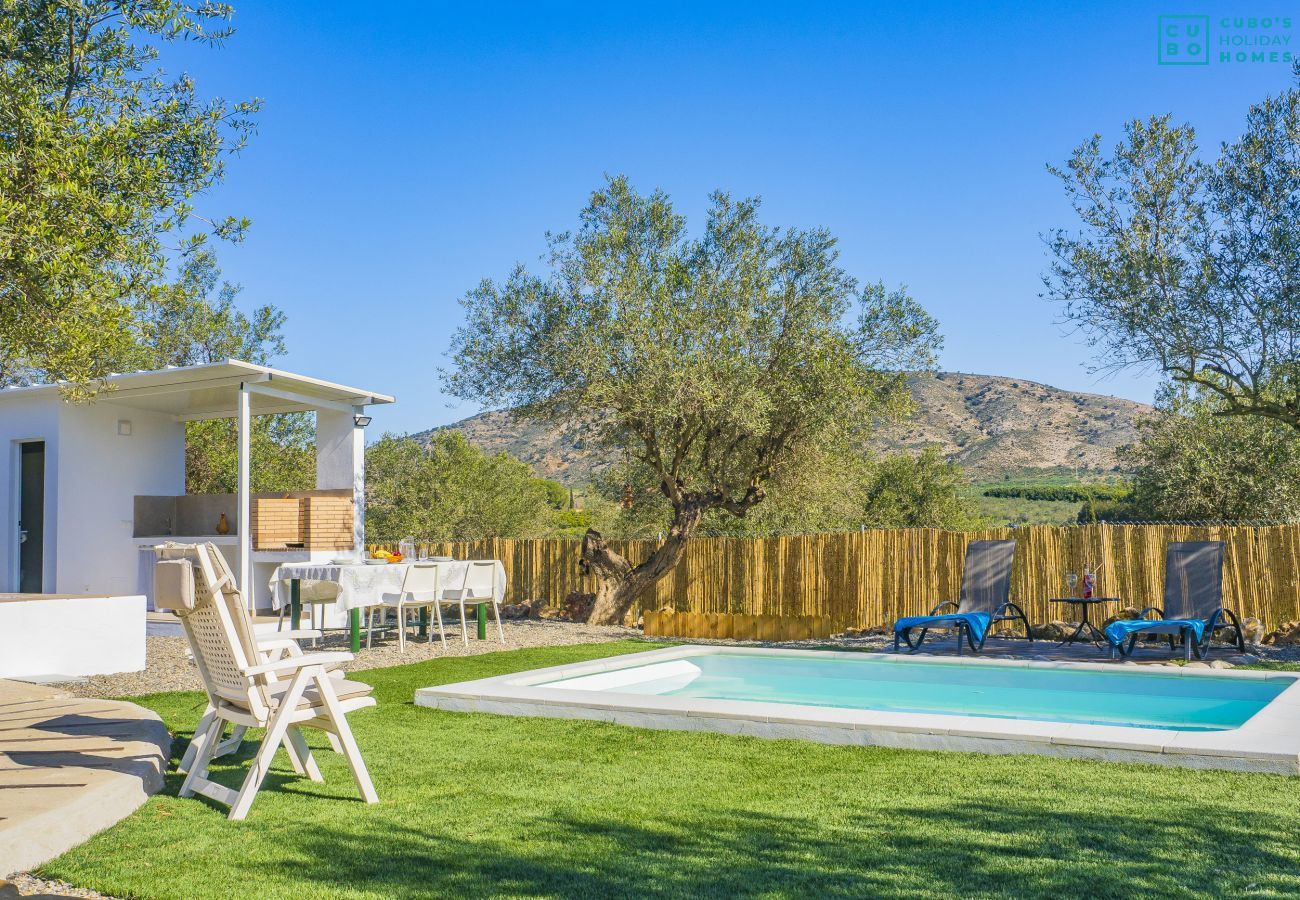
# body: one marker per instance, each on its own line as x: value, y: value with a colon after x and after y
x: 1115, y: 696
x: 1181, y: 716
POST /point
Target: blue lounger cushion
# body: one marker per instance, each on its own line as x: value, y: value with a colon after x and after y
x: 1118, y: 632
x: 977, y: 622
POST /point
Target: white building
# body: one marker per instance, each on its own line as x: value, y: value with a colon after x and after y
x: 87, y: 488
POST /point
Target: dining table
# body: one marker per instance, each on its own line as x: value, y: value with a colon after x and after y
x: 363, y: 585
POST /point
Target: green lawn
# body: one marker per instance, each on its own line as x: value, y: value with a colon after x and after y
x: 493, y: 805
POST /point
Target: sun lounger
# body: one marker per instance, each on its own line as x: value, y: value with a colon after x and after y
x: 985, y: 600
x: 1193, y: 604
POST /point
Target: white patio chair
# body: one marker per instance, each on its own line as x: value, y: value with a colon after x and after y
x: 420, y: 590
x: 479, y: 584
x: 269, y: 648
x: 243, y: 690
x: 315, y: 597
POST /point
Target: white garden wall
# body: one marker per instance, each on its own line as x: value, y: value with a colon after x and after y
x: 44, y: 637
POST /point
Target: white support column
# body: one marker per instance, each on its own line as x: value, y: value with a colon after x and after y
x: 359, y: 483
x: 245, y: 526
x: 341, y: 460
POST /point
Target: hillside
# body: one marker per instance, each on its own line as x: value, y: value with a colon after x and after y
x: 987, y: 423
x: 991, y: 425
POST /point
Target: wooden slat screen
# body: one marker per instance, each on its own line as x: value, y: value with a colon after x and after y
x: 869, y: 578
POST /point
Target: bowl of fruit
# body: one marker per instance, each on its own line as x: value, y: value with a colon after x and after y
x: 383, y: 558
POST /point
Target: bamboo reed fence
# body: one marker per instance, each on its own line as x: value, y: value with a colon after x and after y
x: 735, y: 626
x: 869, y: 578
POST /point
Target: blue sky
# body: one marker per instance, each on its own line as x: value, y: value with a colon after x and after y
x: 407, y: 150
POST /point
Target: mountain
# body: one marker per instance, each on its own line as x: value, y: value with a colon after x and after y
x: 990, y: 424
x: 559, y: 453
x: 987, y: 423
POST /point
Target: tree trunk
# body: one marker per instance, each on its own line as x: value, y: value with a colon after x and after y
x: 611, y: 571
x: 618, y: 583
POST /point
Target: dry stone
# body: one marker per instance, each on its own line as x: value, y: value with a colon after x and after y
x: 1286, y: 635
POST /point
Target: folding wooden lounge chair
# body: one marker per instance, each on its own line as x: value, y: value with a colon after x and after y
x: 1193, y: 604
x: 985, y: 600
x: 242, y: 686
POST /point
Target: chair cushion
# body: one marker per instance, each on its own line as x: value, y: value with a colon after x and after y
x: 977, y: 622
x: 173, y: 585
x: 319, y: 591
x: 1120, y: 630
x: 343, y: 689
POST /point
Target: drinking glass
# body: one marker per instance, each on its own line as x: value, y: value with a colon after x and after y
x: 1072, y: 579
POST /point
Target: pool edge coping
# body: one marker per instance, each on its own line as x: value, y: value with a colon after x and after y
x: 1268, y: 742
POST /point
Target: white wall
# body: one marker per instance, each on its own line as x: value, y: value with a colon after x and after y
x: 100, y: 473
x: 75, y: 636
x: 23, y: 419
x: 341, y: 461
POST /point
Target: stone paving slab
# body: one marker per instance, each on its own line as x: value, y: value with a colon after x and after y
x: 997, y: 647
x: 70, y: 767
x: 1048, y: 649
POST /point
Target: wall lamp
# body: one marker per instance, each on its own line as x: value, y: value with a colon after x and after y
x: 360, y: 421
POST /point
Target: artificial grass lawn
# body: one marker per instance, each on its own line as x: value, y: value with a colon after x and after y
x: 498, y: 805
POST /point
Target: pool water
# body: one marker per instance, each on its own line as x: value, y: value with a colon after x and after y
x: 1125, y: 696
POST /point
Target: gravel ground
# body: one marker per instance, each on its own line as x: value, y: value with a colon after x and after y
x: 167, y: 668
x: 1042, y: 649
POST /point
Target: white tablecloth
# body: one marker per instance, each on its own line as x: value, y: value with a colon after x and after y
x: 362, y: 585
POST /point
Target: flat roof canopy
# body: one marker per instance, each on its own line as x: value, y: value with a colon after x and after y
x: 211, y: 391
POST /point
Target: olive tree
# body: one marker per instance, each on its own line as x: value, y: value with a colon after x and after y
x: 1187, y: 265
x: 446, y: 489
x: 718, y: 361
x: 102, y: 157
x: 1190, y: 463
x: 834, y: 488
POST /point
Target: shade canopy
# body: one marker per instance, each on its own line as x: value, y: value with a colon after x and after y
x: 234, y: 389
x: 211, y: 391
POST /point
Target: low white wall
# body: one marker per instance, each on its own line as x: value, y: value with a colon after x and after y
x: 52, y: 635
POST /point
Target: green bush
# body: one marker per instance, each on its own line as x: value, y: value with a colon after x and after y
x: 1073, y: 493
x: 1110, y: 511
x: 451, y: 490
x: 572, y: 522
